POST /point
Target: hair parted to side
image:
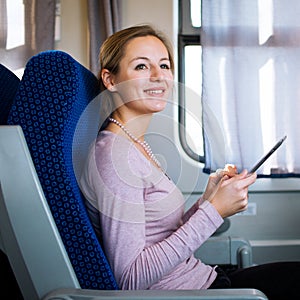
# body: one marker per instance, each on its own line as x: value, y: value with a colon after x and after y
x: 113, y: 48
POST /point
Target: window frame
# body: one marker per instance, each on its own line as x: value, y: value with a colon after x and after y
x: 188, y: 35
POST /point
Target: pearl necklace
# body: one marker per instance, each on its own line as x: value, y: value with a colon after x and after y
x: 144, y: 144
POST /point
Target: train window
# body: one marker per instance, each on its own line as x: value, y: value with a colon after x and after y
x: 190, y: 74
x: 12, y: 35
x: 248, y: 51
x: 26, y: 28
x: 15, y: 24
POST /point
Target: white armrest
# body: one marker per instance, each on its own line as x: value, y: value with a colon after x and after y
x: 229, y: 294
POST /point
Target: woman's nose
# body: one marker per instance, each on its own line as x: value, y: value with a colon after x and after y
x: 157, y: 73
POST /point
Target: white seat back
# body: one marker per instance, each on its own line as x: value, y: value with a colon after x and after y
x: 28, y: 233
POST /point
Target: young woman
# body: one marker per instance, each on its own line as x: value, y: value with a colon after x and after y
x: 136, y: 210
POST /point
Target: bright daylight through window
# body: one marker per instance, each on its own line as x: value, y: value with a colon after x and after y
x: 15, y: 24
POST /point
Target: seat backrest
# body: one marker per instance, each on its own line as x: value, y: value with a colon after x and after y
x: 9, y: 83
x: 54, y: 93
x: 28, y: 233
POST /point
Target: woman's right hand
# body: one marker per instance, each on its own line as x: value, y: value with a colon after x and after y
x: 231, y: 194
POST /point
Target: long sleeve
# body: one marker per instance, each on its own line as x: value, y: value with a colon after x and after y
x: 192, y: 209
x: 141, y: 220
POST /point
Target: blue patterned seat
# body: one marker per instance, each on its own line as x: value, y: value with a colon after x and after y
x: 54, y: 92
x: 9, y: 83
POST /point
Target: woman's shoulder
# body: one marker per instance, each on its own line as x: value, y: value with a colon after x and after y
x: 110, y: 144
x: 105, y: 138
x: 117, y: 150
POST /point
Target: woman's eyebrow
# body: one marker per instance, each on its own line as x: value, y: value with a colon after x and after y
x: 146, y: 58
x: 139, y: 57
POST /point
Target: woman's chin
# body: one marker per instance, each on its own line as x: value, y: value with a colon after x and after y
x: 157, y: 105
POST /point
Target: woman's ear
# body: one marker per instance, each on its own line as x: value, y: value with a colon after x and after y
x: 107, y: 79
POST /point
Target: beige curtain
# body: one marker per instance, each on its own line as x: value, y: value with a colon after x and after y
x: 39, y: 32
x: 104, y: 19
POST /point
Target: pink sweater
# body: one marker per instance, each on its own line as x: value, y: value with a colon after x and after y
x: 138, y: 214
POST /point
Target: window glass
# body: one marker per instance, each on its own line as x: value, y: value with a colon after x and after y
x: 15, y: 24
x: 196, y: 13
x: 193, y: 84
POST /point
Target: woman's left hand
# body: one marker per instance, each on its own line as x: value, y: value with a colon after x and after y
x: 214, y: 179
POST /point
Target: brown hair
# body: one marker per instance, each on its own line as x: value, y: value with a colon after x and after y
x: 113, y: 48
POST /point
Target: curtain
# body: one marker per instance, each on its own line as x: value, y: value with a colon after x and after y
x: 39, y: 24
x: 251, y: 84
x: 104, y: 19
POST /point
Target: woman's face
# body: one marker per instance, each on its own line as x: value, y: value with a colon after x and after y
x: 144, y: 80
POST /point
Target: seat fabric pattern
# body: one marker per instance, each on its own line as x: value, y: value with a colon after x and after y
x: 9, y: 83
x: 54, y: 91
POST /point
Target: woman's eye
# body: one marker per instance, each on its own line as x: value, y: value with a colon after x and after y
x: 165, y: 66
x: 140, y: 67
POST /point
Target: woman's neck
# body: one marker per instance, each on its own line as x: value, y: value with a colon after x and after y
x: 136, y: 125
x: 139, y: 141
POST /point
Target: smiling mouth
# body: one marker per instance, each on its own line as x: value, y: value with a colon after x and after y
x: 155, y: 92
